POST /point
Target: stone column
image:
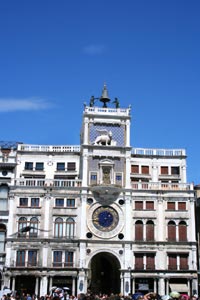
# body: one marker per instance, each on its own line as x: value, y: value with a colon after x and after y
x: 194, y: 286
x: 161, y: 286
x: 127, y: 283
x: 83, y: 216
x: 127, y: 133
x: 122, y: 283
x: 191, y: 227
x: 73, y: 286
x: 127, y: 180
x: 133, y: 285
x: 36, y: 286
x: 6, y: 280
x: 128, y: 223
x: 50, y: 282
x: 13, y: 284
x: 81, y: 282
x: 43, y: 286
x: 86, y: 131
x: 167, y: 286
x: 85, y: 168
x: 11, y: 205
x: 160, y: 221
x: 47, y: 200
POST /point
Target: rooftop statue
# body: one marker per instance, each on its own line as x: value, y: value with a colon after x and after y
x: 92, y: 100
x: 116, y: 101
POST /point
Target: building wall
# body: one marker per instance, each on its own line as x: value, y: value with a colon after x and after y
x: 97, y: 202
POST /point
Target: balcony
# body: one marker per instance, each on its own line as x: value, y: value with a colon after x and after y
x: 161, y: 186
x: 150, y: 267
x: 47, y: 183
x: 63, y: 264
x: 139, y: 267
x: 27, y: 264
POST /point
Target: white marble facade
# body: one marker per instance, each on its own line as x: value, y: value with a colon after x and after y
x: 103, y: 215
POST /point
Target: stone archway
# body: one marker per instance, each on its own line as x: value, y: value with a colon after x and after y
x: 104, y: 274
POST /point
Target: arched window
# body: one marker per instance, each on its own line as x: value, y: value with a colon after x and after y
x: 58, y: 227
x: 171, y: 231
x: 22, y: 224
x: 182, y: 231
x: 150, y: 231
x: 34, y: 223
x: 70, y: 227
x: 138, y: 231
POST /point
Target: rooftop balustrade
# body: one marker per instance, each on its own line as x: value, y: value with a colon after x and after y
x: 158, y: 152
x: 48, y: 148
x: 107, y: 111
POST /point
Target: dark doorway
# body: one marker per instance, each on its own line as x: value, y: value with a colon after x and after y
x: 25, y: 284
x: 104, y: 274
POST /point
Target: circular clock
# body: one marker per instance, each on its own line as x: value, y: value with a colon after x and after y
x: 105, y: 221
x: 105, y: 218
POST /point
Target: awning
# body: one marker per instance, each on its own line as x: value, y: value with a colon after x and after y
x: 179, y: 287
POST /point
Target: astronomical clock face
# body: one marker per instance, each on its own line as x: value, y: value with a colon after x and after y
x: 105, y: 218
x: 105, y: 221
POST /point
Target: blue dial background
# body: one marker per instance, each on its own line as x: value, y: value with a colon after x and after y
x: 105, y: 218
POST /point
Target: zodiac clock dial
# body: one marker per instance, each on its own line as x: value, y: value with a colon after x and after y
x: 105, y: 218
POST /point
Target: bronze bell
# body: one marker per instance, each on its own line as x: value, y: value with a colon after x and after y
x: 104, y: 97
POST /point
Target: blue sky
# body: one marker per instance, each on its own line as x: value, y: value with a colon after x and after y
x: 54, y: 55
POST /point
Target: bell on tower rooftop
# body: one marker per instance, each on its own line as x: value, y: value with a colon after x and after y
x: 104, y: 97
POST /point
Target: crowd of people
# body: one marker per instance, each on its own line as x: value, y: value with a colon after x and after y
x: 63, y: 295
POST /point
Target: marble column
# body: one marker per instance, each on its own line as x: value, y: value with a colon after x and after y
x: 43, y: 286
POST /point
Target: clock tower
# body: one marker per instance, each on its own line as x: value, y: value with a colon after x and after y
x: 105, y: 166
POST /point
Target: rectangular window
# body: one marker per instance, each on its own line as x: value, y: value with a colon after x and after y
x: 35, y: 202
x: 139, y: 205
x: 69, y: 258
x: 145, y: 169
x: 23, y: 201
x: 39, y: 166
x: 20, y: 260
x: 32, y: 258
x: 59, y: 202
x: 71, y: 166
x: 93, y: 178
x: 118, y: 177
x: 164, y: 171
x: 150, y: 261
x: 60, y: 166
x: 135, y: 169
x: 139, y: 261
x: 172, y: 262
x: 170, y: 205
x: 28, y: 165
x: 175, y: 170
x: 70, y: 202
x: 181, y: 205
x: 149, y: 205
x: 183, y: 261
x: 57, y: 258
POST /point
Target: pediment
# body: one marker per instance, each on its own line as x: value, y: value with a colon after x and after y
x: 106, y: 162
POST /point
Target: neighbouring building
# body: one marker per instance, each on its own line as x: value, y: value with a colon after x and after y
x: 101, y: 216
